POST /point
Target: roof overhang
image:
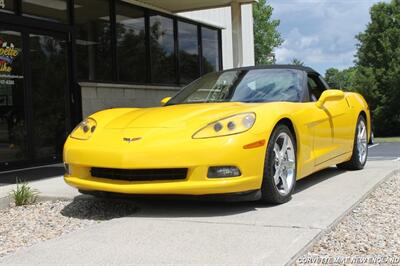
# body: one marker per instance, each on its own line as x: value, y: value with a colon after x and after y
x: 175, y: 6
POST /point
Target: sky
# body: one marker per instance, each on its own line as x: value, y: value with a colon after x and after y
x: 321, y: 33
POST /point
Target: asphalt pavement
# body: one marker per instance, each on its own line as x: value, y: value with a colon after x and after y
x: 384, y: 151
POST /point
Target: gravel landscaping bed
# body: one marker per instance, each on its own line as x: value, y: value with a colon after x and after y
x: 370, y: 234
x: 26, y: 225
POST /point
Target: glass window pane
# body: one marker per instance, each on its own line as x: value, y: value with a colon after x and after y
x: 188, y: 52
x: 12, y: 116
x: 93, y: 40
x: 131, y: 46
x: 48, y: 57
x: 7, y: 6
x: 162, y: 50
x: 210, y: 50
x: 258, y: 85
x: 53, y: 10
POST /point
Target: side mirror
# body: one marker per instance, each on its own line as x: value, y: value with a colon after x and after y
x: 329, y: 95
x: 165, y: 100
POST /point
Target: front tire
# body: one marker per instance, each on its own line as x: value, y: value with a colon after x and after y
x: 279, y: 176
x: 360, y: 148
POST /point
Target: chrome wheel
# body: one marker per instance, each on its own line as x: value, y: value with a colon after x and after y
x: 284, y: 164
x: 362, y: 141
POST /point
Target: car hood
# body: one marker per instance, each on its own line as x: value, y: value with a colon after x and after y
x: 177, y: 116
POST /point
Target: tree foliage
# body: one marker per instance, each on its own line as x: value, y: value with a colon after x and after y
x: 297, y: 62
x: 377, y: 72
x: 341, y: 79
x: 378, y: 66
x: 266, y: 35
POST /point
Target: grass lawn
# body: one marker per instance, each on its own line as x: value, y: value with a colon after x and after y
x: 387, y: 139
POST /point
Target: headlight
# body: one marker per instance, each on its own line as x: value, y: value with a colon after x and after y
x: 227, y: 126
x: 85, y: 129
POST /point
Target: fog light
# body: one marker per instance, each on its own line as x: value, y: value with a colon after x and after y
x: 66, y: 168
x: 223, y: 171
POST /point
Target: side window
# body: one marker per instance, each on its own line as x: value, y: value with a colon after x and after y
x: 315, y: 87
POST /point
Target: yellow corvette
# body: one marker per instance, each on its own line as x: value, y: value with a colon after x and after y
x: 250, y: 132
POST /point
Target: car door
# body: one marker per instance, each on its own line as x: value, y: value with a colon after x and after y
x: 330, y: 128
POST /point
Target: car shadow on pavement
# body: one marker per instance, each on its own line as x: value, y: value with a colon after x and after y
x: 317, y: 178
x: 90, y: 208
x: 109, y: 208
x: 9, y: 178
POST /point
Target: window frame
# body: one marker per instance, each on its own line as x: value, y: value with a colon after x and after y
x: 69, y: 27
x: 318, y: 81
x: 147, y: 13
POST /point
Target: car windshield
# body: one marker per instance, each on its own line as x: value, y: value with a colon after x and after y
x: 257, y: 85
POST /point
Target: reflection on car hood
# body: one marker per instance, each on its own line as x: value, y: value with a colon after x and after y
x: 182, y: 115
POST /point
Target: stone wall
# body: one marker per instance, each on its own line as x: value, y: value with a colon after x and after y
x: 99, y: 96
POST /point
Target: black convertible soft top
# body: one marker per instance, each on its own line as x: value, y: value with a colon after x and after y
x: 309, y: 70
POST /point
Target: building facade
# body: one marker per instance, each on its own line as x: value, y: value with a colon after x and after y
x: 61, y: 60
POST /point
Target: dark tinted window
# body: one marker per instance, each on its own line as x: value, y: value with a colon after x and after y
x: 7, y: 6
x: 48, y: 57
x: 93, y: 39
x: 210, y: 50
x: 188, y: 52
x: 54, y: 10
x: 131, y: 43
x: 162, y: 49
x: 12, y: 115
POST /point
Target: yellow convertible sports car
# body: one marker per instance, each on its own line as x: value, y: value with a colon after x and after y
x: 250, y: 132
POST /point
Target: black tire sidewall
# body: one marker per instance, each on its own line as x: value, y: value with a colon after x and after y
x: 356, y: 152
x: 269, y: 190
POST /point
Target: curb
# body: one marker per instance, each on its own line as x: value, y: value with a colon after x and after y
x: 323, y: 232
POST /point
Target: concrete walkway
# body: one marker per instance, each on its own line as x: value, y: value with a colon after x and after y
x: 53, y: 187
x: 181, y: 232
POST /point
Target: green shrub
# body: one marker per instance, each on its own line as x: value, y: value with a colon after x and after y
x: 23, y: 194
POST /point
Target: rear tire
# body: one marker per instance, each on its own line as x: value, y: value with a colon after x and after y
x: 279, y: 176
x: 360, y: 148
x: 371, y: 138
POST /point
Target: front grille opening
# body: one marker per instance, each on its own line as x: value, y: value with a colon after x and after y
x: 140, y: 174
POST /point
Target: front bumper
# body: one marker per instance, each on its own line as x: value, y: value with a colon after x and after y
x: 252, y: 195
x: 195, y: 154
x: 186, y: 187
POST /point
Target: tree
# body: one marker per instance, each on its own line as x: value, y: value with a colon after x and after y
x: 266, y: 35
x: 378, y: 66
x: 332, y: 77
x: 341, y: 79
x: 297, y: 62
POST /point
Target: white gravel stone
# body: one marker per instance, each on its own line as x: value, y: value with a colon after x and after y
x: 26, y: 225
x: 372, y: 229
